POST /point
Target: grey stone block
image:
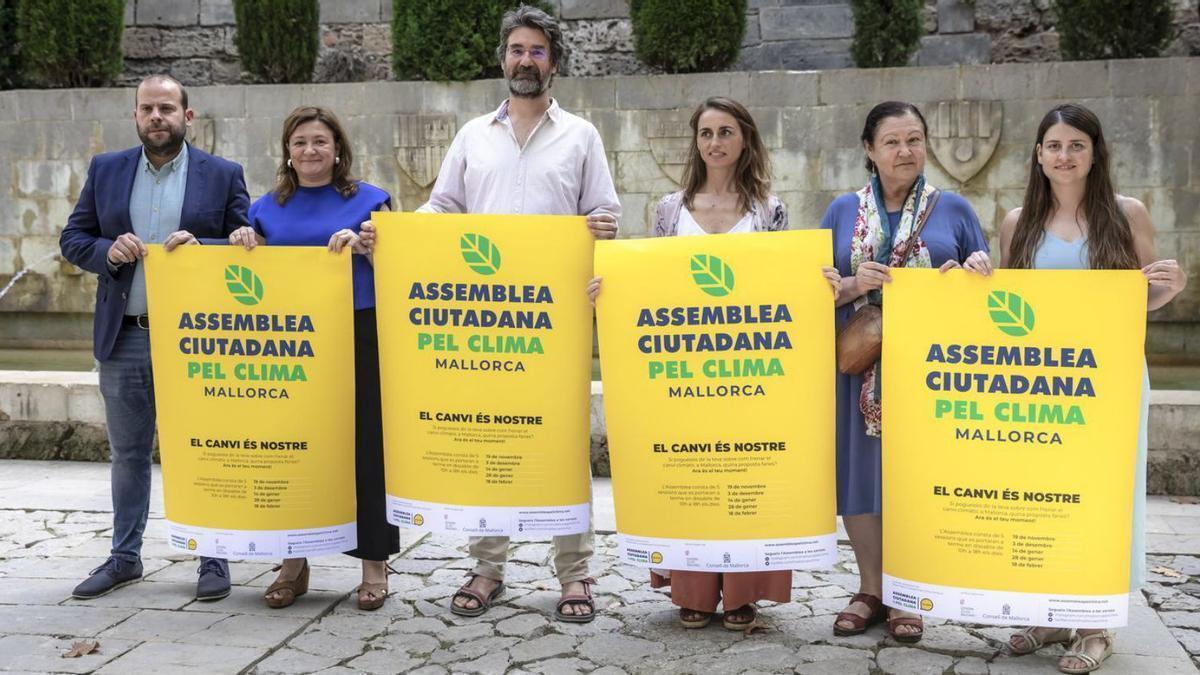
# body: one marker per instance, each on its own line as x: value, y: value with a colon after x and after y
x: 387, y: 10
x: 218, y: 102
x: 216, y: 13
x: 102, y: 104
x: 955, y: 16
x: 180, y: 658
x: 1141, y: 77
x: 130, y: 6
x: 46, y: 104
x: 823, y: 54
x: 783, y: 89
x: 594, y: 9
x: 350, y: 11
x: 758, y: 57
x: 575, y: 93
x: 806, y: 22
x: 8, y: 106
x: 682, y: 91
x: 168, y: 12
x: 273, y: 100
x: 945, y: 50
x: 753, y: 34
x: 1071, y: 80
x: 918, y: 85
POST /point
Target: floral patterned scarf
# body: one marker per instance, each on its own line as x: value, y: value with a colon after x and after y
x: 872, y: 241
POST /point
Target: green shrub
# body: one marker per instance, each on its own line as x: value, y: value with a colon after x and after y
x: 449, y: 40
x: 688, y: 36
x: 277, y: 39
x: 70, y: 43
x: 1113, y: 29
x: 9, y: 47
x: 886, y: 32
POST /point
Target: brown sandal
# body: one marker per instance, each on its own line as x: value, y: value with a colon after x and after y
x: 367, y: 589
x: 860, y: 624
x: 730, y: 624
x: 907, y: 638
x: 288, y: 591
x: 577, y: 600
x: 484, y: 603
x: 692, y: 618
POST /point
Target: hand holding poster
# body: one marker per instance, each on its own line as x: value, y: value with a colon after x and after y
x: 253, y: 358
x: 485, y: 361
x: 717, y: 357
x: 1010, y: 417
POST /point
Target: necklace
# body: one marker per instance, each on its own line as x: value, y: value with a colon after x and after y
x: 716, y: 199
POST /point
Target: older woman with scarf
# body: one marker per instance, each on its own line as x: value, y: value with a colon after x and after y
x: 897, y: 219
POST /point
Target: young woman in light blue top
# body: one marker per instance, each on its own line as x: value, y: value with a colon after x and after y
x: 1073, y: 219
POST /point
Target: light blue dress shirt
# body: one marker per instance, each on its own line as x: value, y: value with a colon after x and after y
x: 155, y: 206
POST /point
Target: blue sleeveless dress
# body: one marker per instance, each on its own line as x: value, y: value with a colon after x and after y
x: 1055, y: 253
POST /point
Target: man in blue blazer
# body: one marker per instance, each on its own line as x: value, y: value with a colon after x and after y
x: 163, y: 191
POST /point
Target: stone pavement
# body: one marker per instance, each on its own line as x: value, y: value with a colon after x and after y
x: 54, y: 524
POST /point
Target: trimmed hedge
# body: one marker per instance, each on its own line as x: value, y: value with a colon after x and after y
x: 9, y: 47
x: 277, y: 39
x: 449, y: 40
x: 70, y: 43
x: 886, y: 32
x: 1113, y: 29
x: 688, y: 36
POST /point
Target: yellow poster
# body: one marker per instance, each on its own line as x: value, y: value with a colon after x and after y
x: 253, y: 357
x: 717, y: 362
x: 485, y: 360
x: 1010, y: 418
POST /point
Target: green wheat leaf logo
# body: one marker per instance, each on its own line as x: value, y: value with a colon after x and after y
x: 243, y: 284
x: 480, y: 254
x: 1012, y: 315
x: 712, y: 275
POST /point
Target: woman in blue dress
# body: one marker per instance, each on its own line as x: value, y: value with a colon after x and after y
x: 872, y: 229
x: 317, y: 202
x: 1073, y: 219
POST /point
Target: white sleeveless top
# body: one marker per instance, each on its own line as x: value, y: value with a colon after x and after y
x: 689, y: 226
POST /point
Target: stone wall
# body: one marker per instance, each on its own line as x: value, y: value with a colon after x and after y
x: 194, y: 39
x: 47, y: 415
x: 983, y: 119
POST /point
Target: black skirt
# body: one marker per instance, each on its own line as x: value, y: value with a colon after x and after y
x: 377, y: 540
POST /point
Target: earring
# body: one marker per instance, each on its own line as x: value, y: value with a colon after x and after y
x: 337, y: 160
x: 289, y: 163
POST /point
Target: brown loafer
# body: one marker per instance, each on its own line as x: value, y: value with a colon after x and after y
x: 287, y: 591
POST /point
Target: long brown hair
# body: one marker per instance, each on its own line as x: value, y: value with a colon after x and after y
x: 1110, y: 237
x: 286, y: 180
x: 752, y: 175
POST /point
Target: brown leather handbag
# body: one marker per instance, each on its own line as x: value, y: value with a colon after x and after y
x: 860, y: 341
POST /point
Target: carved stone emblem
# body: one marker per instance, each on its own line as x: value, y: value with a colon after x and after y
x: 202, y: 134
x: 669, y: 137
x: 964, y: 134
x: 421, y: 144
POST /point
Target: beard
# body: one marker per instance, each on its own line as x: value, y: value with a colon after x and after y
x: 528, y: 82
x: 165, y: 146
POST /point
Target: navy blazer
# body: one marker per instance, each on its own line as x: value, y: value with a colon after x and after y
x: 214, y: 205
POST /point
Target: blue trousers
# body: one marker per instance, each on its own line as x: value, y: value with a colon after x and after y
x: 127, y: 385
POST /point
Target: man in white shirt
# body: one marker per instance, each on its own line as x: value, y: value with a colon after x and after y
x: 529, y: 156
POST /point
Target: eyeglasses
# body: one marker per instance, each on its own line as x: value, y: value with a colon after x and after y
x: 535, y: 53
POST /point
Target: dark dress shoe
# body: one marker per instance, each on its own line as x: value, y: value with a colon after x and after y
x: 214, y: 579
x: 113, y: 574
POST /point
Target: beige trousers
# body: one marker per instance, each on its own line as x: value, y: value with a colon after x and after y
x: 572, y: 553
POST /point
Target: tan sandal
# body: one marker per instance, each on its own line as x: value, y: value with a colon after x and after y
x: 740, y: 618
x: 1030, y: 636
x: 1078, y: 651
x: 287, y: 591
x: 368, y: 589
x: 693, y: 618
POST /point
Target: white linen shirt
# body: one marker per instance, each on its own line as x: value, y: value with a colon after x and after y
x: 562, y: 170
